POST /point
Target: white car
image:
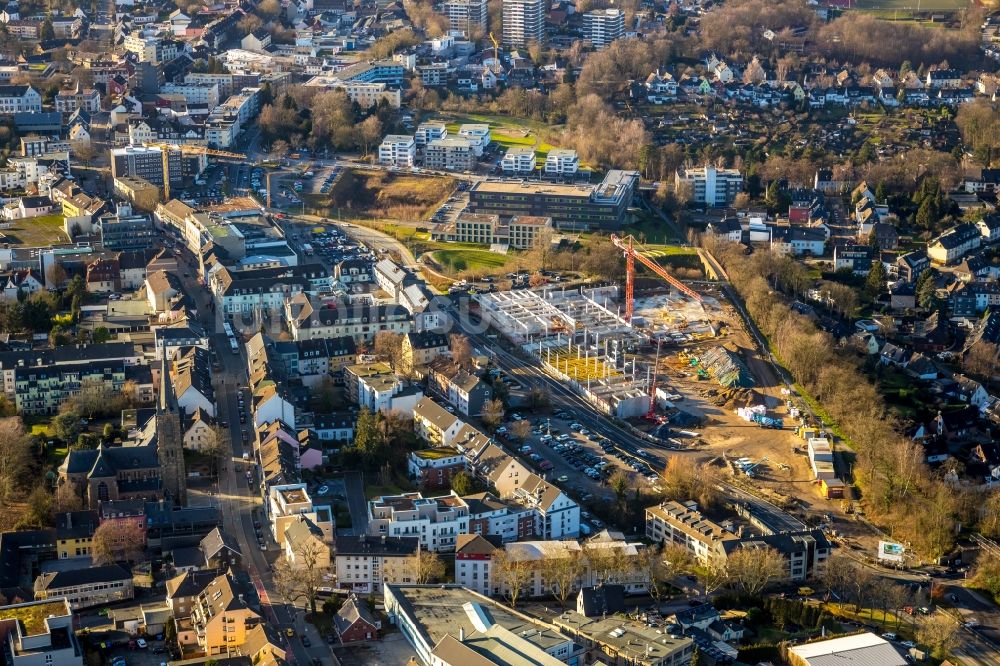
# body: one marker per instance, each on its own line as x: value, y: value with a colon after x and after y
x: 141, y: 643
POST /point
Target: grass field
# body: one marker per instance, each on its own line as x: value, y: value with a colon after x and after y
x: 35, y: 231
x: 508, y: 132
x: 459, y: 260
x: 909, y: 7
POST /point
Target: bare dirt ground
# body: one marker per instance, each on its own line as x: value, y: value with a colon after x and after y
x: 785, y: 477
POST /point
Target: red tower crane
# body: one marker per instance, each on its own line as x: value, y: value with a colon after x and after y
x: 628, y: 246
x: 651, y: 413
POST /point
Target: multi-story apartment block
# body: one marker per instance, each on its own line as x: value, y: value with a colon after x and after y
x: 473, y: 564
x: 435, y: 521
x: 557, y: 515
x: 954, y: 244
x: 433, y: 468
x: 709, y: 185
x: 110, y: 353
x: 195, y: 93
x: 366, y: 563
x: 40, y: 633
x: 708, y: 542
x: 220, y: 619
x: 562, y: 162
x: 287, y: 503
x: 603, y: 26
x: 434, y: 424
x: 68, y: 101
x: 466, y: 16
x: 119, y: 233
x: 398, y: 150
x: 523, y: 22
x: 429, y: 131
x: 146, y: 162
x: 478, y: 135
x: 450, y: 154
x: 520, y: 232
x: 519, y: 160
x: 19, y: 99
x: 42, y: 389
x: 360, y: 322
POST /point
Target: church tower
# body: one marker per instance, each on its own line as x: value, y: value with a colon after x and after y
x: 169, y: 440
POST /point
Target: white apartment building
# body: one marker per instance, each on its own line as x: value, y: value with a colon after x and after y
x: 427, y: 132
x: 603, y: 26
x: 562, y: 162
x: 286, y: 503
x: 450, y: 154
x: 42, y: 634
x: 709, y: 185
x: 207, y: 94
x: 20, y: 99
x: 473, y: 564
x: 436, y: 521
x: 523, y: 22
x: 558, y: 515
x: 466, y: 16
x: 478, y: 135
x: 398, y: 150
x: 519, y: 160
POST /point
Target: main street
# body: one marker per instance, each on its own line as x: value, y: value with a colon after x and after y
x: 238, y: 499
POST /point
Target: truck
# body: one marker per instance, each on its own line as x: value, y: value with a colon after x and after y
x: 308, y: 249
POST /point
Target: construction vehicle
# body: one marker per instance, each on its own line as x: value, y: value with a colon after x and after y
x: 767, y: 421
x: 186, y: 149
x: 749, y: 469
x: 628, y: 246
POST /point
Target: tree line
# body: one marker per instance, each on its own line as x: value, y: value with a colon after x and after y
x: 898, y: 489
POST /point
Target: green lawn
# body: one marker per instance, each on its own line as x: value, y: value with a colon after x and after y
x: 909, y: 6
x: 457, y: 260
x: 35, y: 231
x: 508, y: 132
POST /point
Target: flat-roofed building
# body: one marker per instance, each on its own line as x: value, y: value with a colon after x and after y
x: 431, y: 617
x: 450, y: 154
x: 601, y: 206
x: 435, y: 521
x: 40, y: 633
x: 398, y: 150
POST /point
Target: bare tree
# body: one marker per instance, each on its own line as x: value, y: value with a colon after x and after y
x: 712, y: 576
x: 753, y: 569
x: 461, y: 350
x: 609, y: 564
x: 369, y: 131
x: 684, y: 480
x: 117, y: 541
x: 511, y: 574
x: 493, y: 413
x: 939, y: 633
x: 521, y: 429
x: 981, y: 359
x: 388, y: 346
x: 302, y: 577
x: 664, y: 563
x: 561, y: 575
x: 15, y: 456
x: 428, y: 567
x: 68, y: 497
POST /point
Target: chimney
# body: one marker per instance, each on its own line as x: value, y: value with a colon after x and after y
x: 461, y: 634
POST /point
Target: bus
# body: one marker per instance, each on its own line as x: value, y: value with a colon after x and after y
x: 233, y: 345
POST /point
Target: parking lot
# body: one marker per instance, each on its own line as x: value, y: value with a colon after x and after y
x: 581, y: 462
x: 154, y: 654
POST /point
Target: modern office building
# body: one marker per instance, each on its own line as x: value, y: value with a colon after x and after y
x: 523, y: 22
x: 601, y: 206
x: 146, y: 162
x: 603, y: 26
x: 709, y: 185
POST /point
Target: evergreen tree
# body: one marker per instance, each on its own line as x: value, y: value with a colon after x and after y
x: 875, y: 284
x: 47, y: 33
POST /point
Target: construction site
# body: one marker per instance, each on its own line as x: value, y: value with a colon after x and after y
x: 677, y: 363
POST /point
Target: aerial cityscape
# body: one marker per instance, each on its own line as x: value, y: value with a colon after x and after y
x: 499, y: 333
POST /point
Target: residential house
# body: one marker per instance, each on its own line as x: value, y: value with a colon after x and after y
x: 354, y: 622
x: 435, y: 521
x: 466, y: 392
x: 366, y: 563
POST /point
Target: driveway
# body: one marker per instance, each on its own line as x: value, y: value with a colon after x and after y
x: 354, y: 485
